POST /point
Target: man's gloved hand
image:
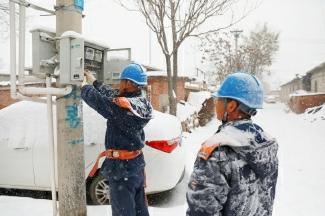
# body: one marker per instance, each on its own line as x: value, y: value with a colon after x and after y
x: 90, y: 77
x: 122, y: 102
x: 84, y: 82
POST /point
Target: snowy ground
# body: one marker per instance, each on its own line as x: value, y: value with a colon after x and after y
x: 300, y: 191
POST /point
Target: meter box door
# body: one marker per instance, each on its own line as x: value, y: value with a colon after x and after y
x: 71, y: 60
x: 115, y: 61
x: 43, y: 52
x: 94, y: 59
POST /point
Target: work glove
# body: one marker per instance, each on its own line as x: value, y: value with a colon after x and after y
x: 84, y: 82
x: 89, y: 77
x: 122, y: 102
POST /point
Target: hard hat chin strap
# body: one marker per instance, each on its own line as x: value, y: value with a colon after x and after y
x: 247, y: 110
x: 225, y: 113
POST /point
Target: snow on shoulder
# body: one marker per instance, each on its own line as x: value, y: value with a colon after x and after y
x: 231, y: 136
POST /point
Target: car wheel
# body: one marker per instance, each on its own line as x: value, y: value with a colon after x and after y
x: 98, y: 191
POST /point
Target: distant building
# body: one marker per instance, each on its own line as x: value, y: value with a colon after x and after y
x: 290, y: 87
x: 305, y: 92
x: 317, y: 78
x: 4, y: 77
x: 158, y: 89
x: 312, y: 82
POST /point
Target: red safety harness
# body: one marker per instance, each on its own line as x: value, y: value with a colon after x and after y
x: 206, y: 150
x: 115, y: 155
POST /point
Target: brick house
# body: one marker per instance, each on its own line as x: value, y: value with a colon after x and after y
x: 5, y: 98
x: 290, y: 87
x: 158, y: 89
x: 312, y: 83
x: 317, y: 78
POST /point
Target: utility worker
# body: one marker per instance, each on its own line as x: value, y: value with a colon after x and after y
x: 236, y: 169
x: 127, y: 112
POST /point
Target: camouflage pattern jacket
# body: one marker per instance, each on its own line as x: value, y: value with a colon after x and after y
x: 235, y: 173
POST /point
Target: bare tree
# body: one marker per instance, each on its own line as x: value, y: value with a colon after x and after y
x: 173, y: 21
x: 260, y: 47
x: 255, y: 53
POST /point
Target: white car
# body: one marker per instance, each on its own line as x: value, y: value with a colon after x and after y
x: 270, y: 99
x: 24, y: 150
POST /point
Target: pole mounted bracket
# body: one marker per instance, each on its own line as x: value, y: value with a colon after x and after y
x: 36, y: 7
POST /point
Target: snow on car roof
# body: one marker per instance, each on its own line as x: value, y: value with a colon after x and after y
x: 25, y: 122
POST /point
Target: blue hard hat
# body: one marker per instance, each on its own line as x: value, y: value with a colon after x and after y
x: 135, y: 73
x: 242, y: 87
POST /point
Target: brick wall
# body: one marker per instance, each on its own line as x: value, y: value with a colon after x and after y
x: 299, y: 104
x: 5, y: 98
x: 159, y: 91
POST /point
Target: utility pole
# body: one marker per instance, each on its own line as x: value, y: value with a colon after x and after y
x: 71, y: 164
x: 236, y: 35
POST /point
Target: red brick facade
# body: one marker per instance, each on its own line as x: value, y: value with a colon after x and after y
x: 5, y: 98
x: 158, y: 91
x: 299, y: 104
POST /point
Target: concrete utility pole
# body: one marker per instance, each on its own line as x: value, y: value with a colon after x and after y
x: 71, y: 164
x: 236, y: 35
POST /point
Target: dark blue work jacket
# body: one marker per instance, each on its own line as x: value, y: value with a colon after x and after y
x: 239, y: 177
x: 124, y: 126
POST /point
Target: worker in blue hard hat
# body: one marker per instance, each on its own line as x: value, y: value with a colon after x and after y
x: 236, y: 169
x: 127, y: 112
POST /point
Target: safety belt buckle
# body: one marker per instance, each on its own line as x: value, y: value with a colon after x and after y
x: 115, y: 154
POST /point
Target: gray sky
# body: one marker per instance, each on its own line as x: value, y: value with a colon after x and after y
x: 301, y: 24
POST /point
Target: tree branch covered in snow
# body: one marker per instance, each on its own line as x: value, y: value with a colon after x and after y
x: 255, y: 52
x: 173, y: 21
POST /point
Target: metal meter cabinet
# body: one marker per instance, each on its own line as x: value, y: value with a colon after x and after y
x: 43, y: 51
x: 71, y: 60
x: 105, y: 63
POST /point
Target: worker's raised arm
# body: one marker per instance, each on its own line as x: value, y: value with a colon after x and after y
x: 96, y: 100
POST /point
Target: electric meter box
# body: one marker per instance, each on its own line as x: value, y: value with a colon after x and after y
x: 68, y: 56
x: 43, y: 51
x: 71, y: 60
x: 95, y: 55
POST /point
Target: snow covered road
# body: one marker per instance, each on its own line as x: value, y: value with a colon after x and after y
x: 300, y: 191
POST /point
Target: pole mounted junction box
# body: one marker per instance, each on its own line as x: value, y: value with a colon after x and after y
x: 43, y: 52
x: 73, y: 55
x: 71, y: 60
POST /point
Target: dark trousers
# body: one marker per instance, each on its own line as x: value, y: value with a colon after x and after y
x: 128, y: 197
